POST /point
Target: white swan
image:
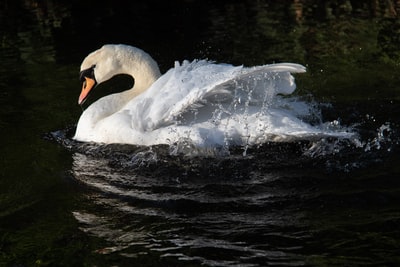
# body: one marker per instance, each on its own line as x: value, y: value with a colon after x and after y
x: 206, y: 103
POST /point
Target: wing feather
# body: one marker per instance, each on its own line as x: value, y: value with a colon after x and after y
x: 193, y: 85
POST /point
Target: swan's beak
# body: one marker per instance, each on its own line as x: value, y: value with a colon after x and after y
x: 88, y: 84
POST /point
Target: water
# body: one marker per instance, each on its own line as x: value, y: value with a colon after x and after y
x: 323, y: 202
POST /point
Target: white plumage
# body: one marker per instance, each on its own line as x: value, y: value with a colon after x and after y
x: 202, y: 102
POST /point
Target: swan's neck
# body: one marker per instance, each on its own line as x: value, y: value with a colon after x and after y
x: 125, y: 60
x: 132, y: 61
x: 142, y: 67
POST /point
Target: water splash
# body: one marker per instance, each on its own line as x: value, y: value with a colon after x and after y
x: 251, y: 199
x: 357, y: 152
x: 361, y: 142
x: 384, y: 139
x: 185, y: 158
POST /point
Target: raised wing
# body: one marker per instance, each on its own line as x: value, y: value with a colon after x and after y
x: 200, y: 84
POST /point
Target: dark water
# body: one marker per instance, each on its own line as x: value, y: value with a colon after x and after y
x: 326, y: 203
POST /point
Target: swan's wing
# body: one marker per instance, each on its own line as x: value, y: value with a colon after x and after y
x: 186, y: 88
x: 180, y: 89
x: 275, y: 77
x: 256, y: 86
x: 255, y: 82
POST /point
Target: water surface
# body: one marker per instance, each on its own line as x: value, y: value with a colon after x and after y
x: 325, y: 203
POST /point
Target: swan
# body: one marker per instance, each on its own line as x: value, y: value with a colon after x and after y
x: 203, y: 102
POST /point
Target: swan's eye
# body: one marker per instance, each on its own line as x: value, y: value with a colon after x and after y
x: 87, y: 73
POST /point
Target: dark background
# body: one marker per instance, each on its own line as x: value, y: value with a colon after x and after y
x: 352, y: 53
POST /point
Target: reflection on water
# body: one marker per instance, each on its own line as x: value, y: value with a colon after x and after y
x: 212, y: 221
x: 146, y: 202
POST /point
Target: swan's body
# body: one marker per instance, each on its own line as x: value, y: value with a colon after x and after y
x: 208, y: 104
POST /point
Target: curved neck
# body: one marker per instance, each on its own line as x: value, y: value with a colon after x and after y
x: 118, y: 59
x: 142, y: 67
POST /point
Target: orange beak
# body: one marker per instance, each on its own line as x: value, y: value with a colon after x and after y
x: 88, y: 84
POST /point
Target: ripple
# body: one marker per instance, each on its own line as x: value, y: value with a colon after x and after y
x: 269, y: 206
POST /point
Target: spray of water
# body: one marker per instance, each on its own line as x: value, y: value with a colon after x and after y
x: 325, y: 145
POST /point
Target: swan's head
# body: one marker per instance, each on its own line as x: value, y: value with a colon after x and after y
x: 110, y: 60
x: 97, y: 67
